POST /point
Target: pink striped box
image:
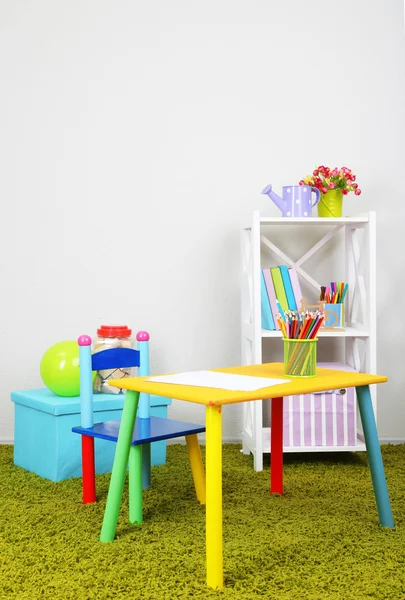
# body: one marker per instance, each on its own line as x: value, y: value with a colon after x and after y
x: 322, y: 419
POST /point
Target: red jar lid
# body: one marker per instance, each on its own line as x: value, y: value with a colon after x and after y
x: 112, y: 331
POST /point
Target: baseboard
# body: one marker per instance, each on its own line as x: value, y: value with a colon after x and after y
x: 237, y: 440
x: 201, y: 439
x: 392, y: 440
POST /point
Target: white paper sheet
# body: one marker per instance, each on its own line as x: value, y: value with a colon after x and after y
x: 223, y: 381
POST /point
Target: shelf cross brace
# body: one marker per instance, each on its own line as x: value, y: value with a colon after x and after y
x: 297, y: 264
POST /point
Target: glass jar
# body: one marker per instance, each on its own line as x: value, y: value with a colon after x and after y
x: 111, y: 336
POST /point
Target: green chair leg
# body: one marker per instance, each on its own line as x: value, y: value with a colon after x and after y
x: 118, y: 474
x: 374, y: 456
x: 135, y: 484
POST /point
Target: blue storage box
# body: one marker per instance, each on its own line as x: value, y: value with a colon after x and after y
x: 45, y: 444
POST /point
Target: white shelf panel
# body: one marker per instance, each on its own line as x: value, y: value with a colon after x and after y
x: 313, y: 220
x: 349, y: 332
x: 359, y: 447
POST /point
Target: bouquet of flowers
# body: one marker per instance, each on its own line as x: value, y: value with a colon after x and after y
x: 326, y: 179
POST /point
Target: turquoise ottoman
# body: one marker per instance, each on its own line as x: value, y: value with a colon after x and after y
x: 45, y: 444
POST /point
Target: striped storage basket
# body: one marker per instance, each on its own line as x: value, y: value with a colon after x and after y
x: 321, y: 419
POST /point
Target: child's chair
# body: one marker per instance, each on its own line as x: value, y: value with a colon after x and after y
x: 147, y: 429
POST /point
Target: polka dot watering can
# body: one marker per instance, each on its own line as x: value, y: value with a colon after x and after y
x: 296, y: 200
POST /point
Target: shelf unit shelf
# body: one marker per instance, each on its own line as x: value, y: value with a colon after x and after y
x: 353, y: 332
x: 357, y: 244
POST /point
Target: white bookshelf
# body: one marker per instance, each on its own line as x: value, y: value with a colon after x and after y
x: 355, y: 240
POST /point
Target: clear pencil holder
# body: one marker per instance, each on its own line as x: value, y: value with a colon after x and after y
x: 300, y: 357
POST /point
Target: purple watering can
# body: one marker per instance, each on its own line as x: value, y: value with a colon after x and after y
x: 296, y: 200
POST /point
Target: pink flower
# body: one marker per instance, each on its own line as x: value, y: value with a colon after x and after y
x: 302, y: 182
x: 324, y: 190
x: 332, y: 185
x: 357, y: 192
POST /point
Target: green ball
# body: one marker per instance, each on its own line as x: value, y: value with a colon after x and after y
x: 60, y: 369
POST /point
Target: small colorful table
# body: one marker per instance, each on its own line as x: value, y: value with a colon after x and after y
x: 214, y: 399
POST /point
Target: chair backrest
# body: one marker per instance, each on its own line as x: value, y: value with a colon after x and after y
x: 113, y: 358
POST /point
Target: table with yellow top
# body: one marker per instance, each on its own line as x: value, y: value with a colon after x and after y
x: 214, y: 399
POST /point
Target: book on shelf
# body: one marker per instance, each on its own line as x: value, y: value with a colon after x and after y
x: 288, y: 287
x: 296, y: 287
x: 279, y: 287
x: 278, y: 284
x: 267, y: 316
x: 271, y: 293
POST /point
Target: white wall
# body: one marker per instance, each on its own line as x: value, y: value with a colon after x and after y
x: 143, y: 132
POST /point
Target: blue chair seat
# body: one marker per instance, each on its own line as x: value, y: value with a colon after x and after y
x: 146, y: 431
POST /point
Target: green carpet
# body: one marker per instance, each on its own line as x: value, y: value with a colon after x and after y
x: 320, y: 541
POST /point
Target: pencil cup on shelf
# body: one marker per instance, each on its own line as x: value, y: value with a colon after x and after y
x: 334, y: 315
x: 300, y: 357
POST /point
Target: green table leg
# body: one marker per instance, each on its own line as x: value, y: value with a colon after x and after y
x: 118, y: 474
x: 374, y: 456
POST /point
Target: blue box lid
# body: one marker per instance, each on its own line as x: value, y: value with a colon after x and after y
x: 46, y: 401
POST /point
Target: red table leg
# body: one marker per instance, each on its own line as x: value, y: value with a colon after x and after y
x: 276, y: 448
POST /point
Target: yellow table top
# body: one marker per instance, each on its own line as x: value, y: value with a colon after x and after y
x: 326, y: 379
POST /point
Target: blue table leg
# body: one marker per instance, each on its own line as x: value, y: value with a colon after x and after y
x: 374, y: 456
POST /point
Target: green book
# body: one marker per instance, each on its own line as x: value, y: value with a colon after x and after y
x: 279, y: 287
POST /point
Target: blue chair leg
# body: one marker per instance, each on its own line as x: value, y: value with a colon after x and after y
x: 374, y: 456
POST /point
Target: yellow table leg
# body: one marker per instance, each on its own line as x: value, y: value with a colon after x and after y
x: 215, y: 577
x: 197, y: 467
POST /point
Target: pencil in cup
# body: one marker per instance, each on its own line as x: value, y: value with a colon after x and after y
x: 335, y: 294
x: 300, y: 357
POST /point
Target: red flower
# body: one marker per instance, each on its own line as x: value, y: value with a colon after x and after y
x: 344, y: 191
x: 357, y: 192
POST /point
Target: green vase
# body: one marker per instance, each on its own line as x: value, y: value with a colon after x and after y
x: 330, y: 204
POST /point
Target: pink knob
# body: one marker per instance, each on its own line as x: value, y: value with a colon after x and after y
x: 142, y: 336
x: 84, y: 340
